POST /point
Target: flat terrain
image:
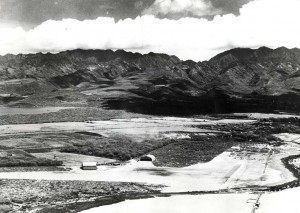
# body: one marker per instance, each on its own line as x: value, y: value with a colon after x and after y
x: 70, y: 159
x: 230, y: 169
x: 216, y: 154
x: 54, y: 196
x: 121, y: 139
x: 227, y: 203
x: 283, y: 201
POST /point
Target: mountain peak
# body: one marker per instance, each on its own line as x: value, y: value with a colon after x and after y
x: 239, y: 53
x: 282, y: 48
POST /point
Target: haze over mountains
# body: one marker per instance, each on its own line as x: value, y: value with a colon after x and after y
x: 240, y: 79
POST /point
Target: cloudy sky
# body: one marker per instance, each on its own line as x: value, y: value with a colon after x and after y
x: 190, y: 29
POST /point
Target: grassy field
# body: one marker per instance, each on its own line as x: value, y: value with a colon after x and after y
x: 20, y: 158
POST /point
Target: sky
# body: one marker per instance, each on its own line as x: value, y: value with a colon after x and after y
x: 189, y: 29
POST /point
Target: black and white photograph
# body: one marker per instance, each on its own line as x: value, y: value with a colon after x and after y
x: 149, y: 106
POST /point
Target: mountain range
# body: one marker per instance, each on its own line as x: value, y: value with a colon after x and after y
x: 236, y: 80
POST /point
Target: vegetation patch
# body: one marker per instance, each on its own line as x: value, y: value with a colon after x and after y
x: 288, y: 164
x: 80, y: 114
x: 186, y: 152
x: 89, y: 133
x: 67, y: 196
x: 20, y: 158
x: 116, y: 148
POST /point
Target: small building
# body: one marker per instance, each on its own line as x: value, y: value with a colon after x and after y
x: 147, y: 158
x: 89, y: 166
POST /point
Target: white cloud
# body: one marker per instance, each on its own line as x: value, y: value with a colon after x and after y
x: 194, y: 7
x: 270, y: 23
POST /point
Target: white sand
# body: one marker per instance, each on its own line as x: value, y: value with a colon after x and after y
x: 276, y: 169
x: 286, y: 201
x: 266, y: 115
x: 296, y: 162
x: 289, y: 137
x: 212, y: 203
x: 230, y: 169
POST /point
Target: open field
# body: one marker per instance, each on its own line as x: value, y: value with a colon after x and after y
x: 67, y: 113
x: 212, y: 154
x: 30, y: 111
x: 283, y: 201
x: 238, y: 167
x: 120, y: 139
x: 129, y: 127
x: 227, y: 203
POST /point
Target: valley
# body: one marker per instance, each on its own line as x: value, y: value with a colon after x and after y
x: 224, y: 129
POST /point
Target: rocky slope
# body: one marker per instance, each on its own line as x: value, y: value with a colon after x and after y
x: 236, y: 80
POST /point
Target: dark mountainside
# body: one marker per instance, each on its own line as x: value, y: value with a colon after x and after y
x: 238, y: 80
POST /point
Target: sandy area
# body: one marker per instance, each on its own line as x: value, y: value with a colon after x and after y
x: 296, y: 163
x: 279, y: 202
x: 288, y: 137
x: 226, y: 203
x: 234, y: 168
x: 266, y: 116
x: 275, y: 164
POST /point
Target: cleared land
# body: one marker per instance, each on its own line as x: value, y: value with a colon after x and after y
x: 237, y: 167
x: 227, y: 203
x: 284, y: 201
x: 222, y: 152
x: 120, y: 139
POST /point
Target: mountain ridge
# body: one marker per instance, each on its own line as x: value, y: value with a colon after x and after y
x: 126, y: 80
